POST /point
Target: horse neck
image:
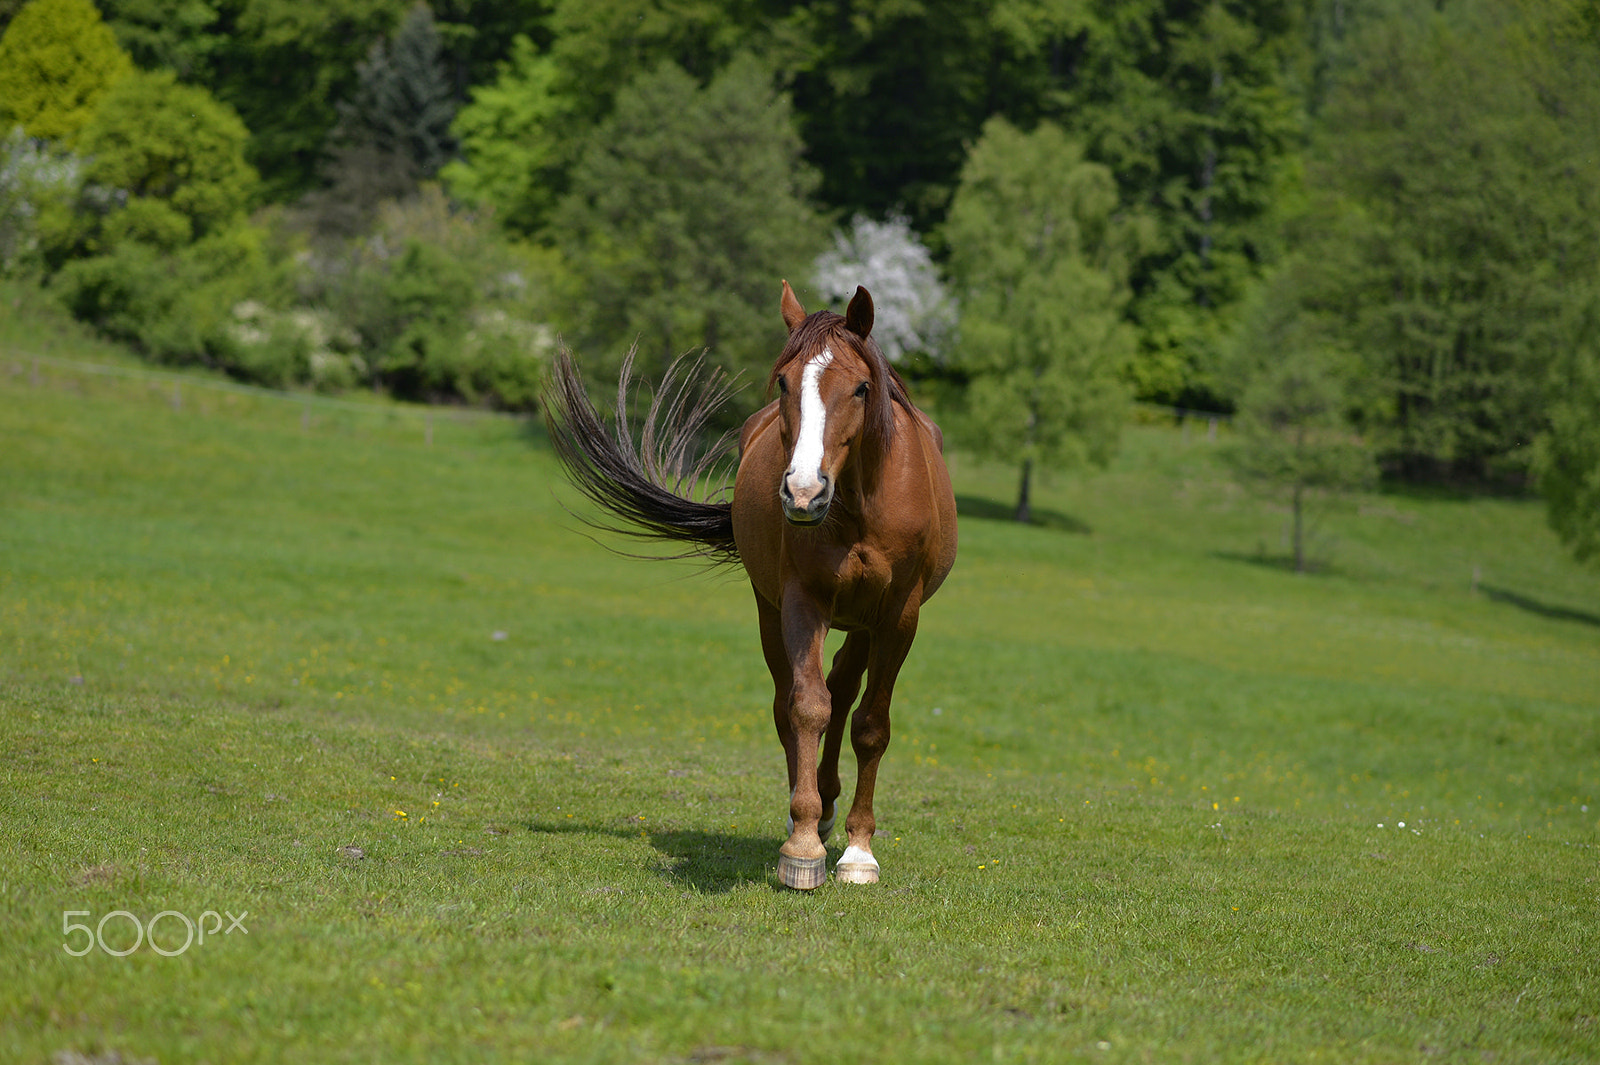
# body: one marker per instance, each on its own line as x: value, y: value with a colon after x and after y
x: 864, y: 470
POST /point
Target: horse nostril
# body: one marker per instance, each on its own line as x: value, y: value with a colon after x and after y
x: 826, y: 482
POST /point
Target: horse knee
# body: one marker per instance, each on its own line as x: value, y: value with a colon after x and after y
x: 868, y: 736
x: 810, y: 709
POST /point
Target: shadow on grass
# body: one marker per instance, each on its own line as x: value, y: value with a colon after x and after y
x: 1281, y: 563
x: 989, y: 510
x: 1533, y: 606
x: 710, y: 862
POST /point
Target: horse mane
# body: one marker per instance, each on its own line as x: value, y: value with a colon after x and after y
x: 827, y: 329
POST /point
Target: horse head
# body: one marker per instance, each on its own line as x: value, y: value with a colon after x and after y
x: 835, y: 395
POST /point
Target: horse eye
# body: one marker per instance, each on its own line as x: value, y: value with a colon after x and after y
x: 861, y: 390
x: 783, y: 387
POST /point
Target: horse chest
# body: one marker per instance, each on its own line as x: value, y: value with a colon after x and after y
x: 862, y: 567
x: 861, y: 583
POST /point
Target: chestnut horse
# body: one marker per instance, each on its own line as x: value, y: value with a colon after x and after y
x: 842, y: 516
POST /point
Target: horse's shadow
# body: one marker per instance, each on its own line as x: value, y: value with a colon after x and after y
x: 709, y: 862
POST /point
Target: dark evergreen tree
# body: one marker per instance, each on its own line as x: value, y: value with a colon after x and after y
x: 283, y: 65
x: 688, y: 207
x: 403, y: 104
x: 394, y: 131
x: 890, y: 95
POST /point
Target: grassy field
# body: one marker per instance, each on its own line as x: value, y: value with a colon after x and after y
x: 486, y: 792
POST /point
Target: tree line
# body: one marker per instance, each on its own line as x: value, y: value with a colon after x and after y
x: 1364, y: 227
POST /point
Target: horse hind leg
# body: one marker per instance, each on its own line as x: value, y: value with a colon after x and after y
x: 869, y: 736
x: 844, y: 684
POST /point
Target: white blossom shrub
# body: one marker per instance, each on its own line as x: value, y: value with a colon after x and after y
x: 913, y: 310
x: 33, y: 180
x: 294, y: 346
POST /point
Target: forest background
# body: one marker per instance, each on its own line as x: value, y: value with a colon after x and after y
x: 1365, y: 229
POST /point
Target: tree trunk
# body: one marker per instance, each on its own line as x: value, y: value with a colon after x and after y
x: 1208, y: 177
x: 1024, y: 508
x: 1299, y: 534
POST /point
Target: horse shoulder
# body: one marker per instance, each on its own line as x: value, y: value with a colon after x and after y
x: 932, y: 430
x: 929, y: 450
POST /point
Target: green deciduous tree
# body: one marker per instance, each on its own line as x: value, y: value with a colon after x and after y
x: 511, y: 134
x: 1040, y: 258
x: 438, y: 307
x: 1567, y: 454
x: 177, y: 35
x: 1194, y: 106
x: 1568, y: 467
x: 171, y: 305
x: 39, y: 190
x: 173, y: 158
x: 161, y: 250
x: 1454, y: 186
x: 523, y: 134
x: 600, y: 46
x: 1295, y: 397
x: 57, y: 59
x: 688, y: 206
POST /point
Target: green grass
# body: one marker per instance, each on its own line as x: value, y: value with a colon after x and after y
x: 1131, y: 812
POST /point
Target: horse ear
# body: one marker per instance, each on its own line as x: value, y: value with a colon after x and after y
x: 793, y: 313
x: 858, y: 316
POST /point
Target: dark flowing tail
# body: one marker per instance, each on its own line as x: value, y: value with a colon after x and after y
x: 650, y: 488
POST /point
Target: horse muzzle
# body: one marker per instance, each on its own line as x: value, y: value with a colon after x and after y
x: 809, y: 504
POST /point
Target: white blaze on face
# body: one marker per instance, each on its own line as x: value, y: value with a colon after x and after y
x: 806, y: 464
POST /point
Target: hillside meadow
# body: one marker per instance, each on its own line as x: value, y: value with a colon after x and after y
x: 482, y: 790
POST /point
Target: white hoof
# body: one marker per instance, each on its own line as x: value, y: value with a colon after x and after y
x: 856, y: 866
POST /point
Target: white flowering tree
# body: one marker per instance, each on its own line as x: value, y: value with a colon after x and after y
x: 35, y: 184
x: 913, y: 310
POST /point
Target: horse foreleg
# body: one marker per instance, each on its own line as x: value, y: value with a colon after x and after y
x: 869, y: 736
x: 844, y: 684
x: 782, y: 680
x: 802, y: 858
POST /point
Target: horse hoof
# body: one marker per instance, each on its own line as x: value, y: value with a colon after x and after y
x: 856, y: 866
x: 802, y: 874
